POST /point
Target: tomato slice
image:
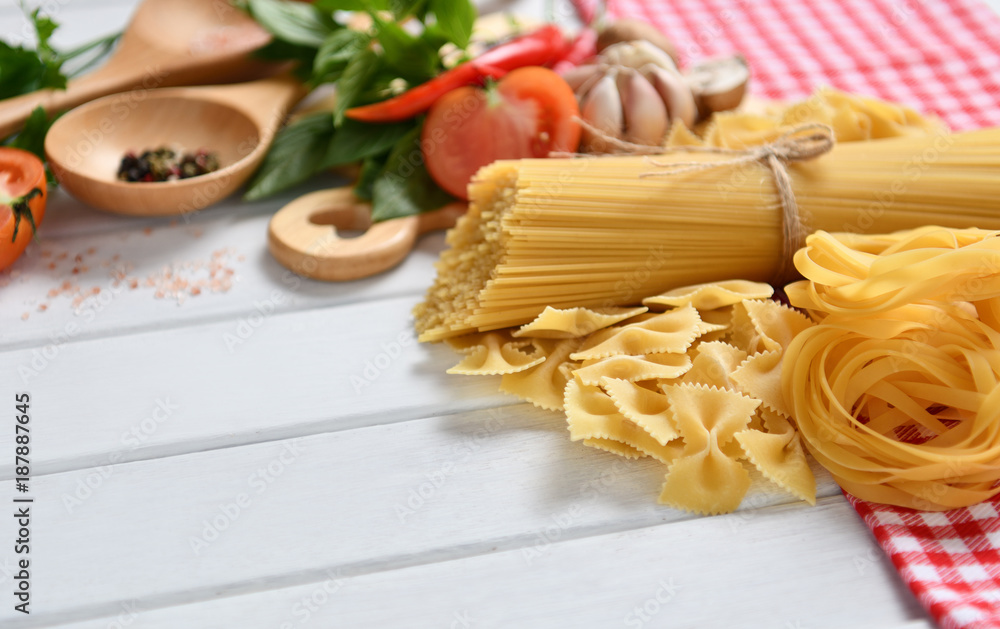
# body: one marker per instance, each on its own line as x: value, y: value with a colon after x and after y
x: 22, y: 201
x: 531, y: 112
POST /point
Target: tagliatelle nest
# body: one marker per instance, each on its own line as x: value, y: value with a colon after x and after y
x: 694, y: 385
x: 897, y: 390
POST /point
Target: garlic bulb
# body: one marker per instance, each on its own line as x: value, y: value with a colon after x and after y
x: 633, y: 91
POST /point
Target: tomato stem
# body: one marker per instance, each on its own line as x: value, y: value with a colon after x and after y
x: 21, y: 210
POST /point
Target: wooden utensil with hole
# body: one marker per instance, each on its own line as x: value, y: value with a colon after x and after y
x: 167, y: 43
x: 236, y: 122
x: 303, y: 236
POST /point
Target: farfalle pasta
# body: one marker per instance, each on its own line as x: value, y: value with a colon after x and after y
x: 897, y: 389
x: 666, y: 385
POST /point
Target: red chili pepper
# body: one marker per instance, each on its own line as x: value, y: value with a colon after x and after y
x: 583, y: 48
x: 537, y: 48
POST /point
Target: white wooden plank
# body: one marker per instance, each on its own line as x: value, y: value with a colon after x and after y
x: 49, y: 293
x: 169, y: 531
x: 256, y: 378
x: 788, y: 567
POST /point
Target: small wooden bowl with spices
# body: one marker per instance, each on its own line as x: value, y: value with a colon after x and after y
x: 234, y: 124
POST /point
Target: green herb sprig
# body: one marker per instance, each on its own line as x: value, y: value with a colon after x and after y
x: 365, y: 67
x: 23, y: 70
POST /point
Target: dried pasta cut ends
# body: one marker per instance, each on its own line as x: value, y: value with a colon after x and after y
x: 555, y: 323
x: 492, y: 353
x: 711, y: 296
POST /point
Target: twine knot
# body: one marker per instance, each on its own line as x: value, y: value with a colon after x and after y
x: 800, y: 143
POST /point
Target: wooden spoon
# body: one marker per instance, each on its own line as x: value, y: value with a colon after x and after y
x: 168, y: 42
x: 236, y: 122
x: 303, y: 236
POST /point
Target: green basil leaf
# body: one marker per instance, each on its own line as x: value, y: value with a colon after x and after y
x: 455, y: 18
x: 404, y: 187
x: 296, y: 155
x: 295, y: 22
x: 410, y: 57
x: 371, y: 168
x: 336, y: 52
x: 356, y: 141
x: 354, y: 81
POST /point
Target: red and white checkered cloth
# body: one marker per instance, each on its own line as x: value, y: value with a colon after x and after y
x: 940, y: 56
x: 950, y: 559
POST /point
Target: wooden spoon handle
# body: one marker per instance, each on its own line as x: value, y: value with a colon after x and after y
x: 14, y: 111
x: 303, y: 237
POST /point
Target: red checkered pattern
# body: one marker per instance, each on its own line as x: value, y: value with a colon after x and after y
x: 949, y: 559
x: 940, y: 56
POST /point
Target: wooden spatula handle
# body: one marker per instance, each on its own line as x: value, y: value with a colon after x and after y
x: 303, y: 236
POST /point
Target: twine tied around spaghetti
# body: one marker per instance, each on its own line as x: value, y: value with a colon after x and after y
x: 800, y: 143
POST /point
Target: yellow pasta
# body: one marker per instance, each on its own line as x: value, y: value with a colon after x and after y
x: 897, y: 390
x: 568, y: 233
x: 492, y: 353
x: 646, y: 408
x: 543, y: 384
x: 853, y: 118
x: 685, y: 404
x: 633, y: 368
x: 714, y: 364
x: 553, y: 323
x: 591, y: 414
x: 711, y: 296
x: 670, y: 332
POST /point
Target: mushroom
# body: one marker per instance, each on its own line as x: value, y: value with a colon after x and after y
x: 719, y: 84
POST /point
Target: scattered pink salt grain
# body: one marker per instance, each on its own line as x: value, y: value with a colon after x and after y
x: 176, y: 281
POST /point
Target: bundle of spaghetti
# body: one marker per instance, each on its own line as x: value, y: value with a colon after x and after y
x: 596, y: 232
x: 896, y: 390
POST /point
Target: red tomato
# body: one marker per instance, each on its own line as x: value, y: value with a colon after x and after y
x: 22, y: 201
x: 529, y: 113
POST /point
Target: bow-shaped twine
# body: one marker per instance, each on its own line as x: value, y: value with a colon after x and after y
x: 800, y: 143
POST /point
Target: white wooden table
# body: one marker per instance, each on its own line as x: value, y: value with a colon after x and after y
x: 283, y: 454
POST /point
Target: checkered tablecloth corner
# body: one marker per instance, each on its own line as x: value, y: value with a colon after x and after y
x: 949, y: 559
x: 938, y: 56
